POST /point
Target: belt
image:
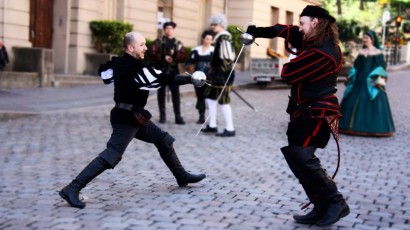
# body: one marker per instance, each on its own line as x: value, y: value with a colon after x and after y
x: 129, y: 107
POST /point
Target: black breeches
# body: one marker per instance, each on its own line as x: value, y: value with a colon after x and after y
x: 123, y: 134
x: 161, y: 94
x: 308, y: 132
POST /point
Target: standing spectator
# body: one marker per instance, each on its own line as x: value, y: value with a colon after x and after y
x: 166, y: 53
x: 200, y: 59
x: 4, y: 57
x: 221, y: 66
x: 132, y: 82
x: 365, y: 106
x: 313, y: 107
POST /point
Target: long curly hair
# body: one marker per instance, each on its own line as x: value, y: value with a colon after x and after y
x: 324, y: 30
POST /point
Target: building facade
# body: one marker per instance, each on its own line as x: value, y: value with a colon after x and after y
x: 63, y: 25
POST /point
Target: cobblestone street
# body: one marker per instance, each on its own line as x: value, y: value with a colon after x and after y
x: 248, y: 184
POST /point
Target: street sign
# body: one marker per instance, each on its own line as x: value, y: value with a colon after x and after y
x: 386, y: 16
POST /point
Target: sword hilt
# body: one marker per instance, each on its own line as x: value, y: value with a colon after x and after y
x: 247, y: 39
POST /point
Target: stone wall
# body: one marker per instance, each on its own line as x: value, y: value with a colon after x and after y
x: 37, y: 60
x: 14, y: 80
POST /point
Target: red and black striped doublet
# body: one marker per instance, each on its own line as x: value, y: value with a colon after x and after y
x: 312, y: 75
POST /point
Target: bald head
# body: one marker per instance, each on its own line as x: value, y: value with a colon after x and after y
x: 131, y: 37
x: 134, y: 45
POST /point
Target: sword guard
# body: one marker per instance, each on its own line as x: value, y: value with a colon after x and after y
x: 198, y: 78
x: 246, y: 39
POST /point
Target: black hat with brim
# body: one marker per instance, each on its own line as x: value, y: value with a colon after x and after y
x: 170, y: 23
x: 317, y: 12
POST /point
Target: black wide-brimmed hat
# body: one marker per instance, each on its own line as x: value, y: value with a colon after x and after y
x: 317, y: 12
x: 169, y: 23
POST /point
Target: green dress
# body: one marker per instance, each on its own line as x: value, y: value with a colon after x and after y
x: 365, y: 107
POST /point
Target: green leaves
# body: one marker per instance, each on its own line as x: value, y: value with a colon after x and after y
x: 236, y: 40
x: 108, y: 36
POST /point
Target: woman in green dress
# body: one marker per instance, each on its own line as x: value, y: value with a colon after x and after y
x: 365, y: 106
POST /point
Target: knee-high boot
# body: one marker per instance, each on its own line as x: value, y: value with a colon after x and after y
x: 319, y: 208
x: 183, y: 177
x: 70, y: 193
x: 201, y: 118
x: 329, y: 204
x: 176, y: 103
x: 161, y: 104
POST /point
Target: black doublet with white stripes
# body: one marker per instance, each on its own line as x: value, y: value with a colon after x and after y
x: 132, y: 79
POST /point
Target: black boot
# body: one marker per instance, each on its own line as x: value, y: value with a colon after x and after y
x: 179, y: 120
x: 337, y: 209
x: 162, y: 118
x: 319, y: 209
x: 161, y: 106
x: 70, y: 193
x: 319, y: 186
x: 312, y: 217
x: 209, y: 129
x: 183, y: 177
x: 226, y: 133
x: 176, y: 103
x: 201, y: 118
x: 327, y: 192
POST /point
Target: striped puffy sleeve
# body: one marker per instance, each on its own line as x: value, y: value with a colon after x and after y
x: 310, y: 66
x: 149, y: 78
x: 105, y: 71
x: 227, y: 51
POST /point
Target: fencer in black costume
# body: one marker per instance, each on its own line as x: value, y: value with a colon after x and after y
x: 166, y: 53
x: 132, y: 82
x: 312, y: 104
x: 200, y: 59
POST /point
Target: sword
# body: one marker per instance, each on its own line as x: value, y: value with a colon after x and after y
x: 243, y: 99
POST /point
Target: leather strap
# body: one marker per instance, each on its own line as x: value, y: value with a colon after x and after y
x: 129, y: 107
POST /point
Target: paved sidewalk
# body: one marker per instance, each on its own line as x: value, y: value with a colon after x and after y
x: 248, y: 184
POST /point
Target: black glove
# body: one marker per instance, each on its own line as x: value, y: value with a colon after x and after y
x: 251, y: 30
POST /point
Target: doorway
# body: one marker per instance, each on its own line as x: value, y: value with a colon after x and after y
x: 41, y: 23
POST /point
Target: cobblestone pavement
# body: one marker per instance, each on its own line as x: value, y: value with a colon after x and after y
x: 248, y: 184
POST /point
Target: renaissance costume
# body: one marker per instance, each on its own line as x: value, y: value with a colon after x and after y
x: 313, y: 109
x: 365, y: 105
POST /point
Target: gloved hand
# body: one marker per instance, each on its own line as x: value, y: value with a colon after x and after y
x: 198, y: 78
x: 251, y: 29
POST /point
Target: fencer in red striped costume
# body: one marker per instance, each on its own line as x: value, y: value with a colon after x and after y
x: 312, y: 102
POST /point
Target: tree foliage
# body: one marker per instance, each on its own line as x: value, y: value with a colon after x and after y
x: 107, y: 36
x: 356, y: 16
x: 349, y: 30
x: 236, y: 34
